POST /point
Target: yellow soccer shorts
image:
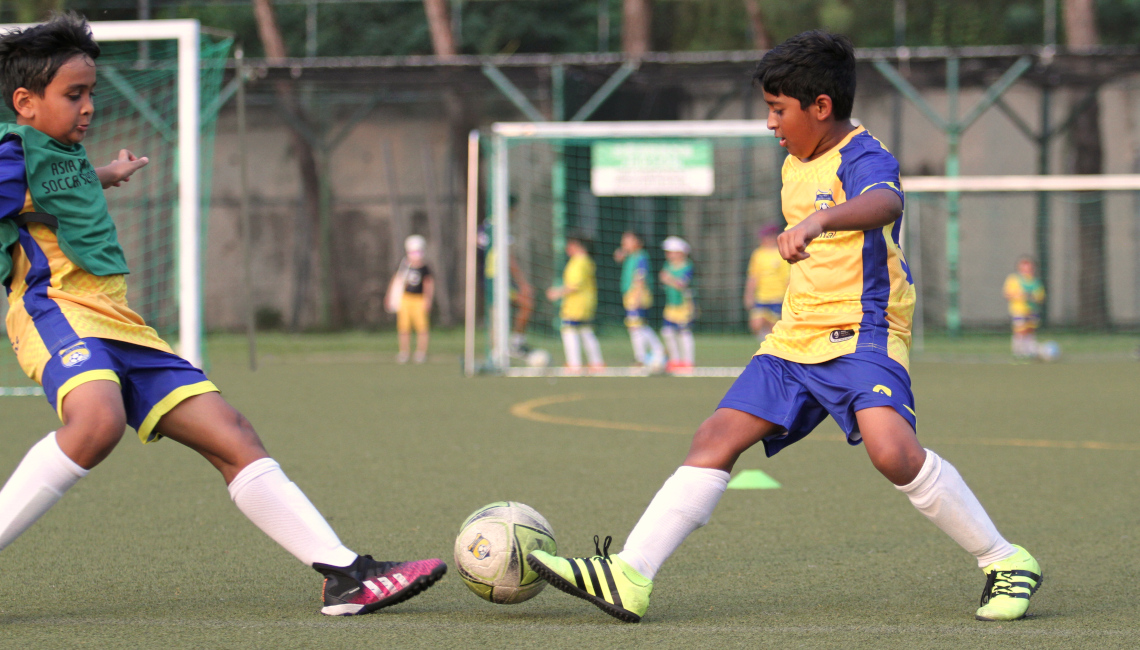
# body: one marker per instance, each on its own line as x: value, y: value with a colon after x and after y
x: 678, y: 316
x: 412, y: 315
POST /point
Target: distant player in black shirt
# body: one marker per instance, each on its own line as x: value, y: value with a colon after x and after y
x: 410, y: 296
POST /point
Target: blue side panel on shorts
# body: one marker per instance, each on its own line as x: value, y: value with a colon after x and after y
x: 50, y: 322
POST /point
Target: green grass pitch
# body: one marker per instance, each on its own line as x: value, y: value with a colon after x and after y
x: 149, y: 552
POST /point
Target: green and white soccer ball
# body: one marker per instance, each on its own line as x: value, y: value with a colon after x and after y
x: 491, y: 550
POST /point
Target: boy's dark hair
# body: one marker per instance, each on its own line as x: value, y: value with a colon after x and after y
x: 636, y: 235
x: 31, y: 57
x: 579, y: 239
x: 808, y: 65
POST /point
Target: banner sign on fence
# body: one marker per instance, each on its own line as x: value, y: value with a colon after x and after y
x: 652, y: 168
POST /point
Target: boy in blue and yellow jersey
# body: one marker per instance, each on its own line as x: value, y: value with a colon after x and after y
x: 637, y: 298
x: 579, y: 296
x: 767, y: 283
x: 677, y: 330
x: 840, y: 349
x: 100, y: 365
x: 1025, y: 294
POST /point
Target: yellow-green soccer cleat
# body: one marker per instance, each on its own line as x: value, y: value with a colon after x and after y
x: 1009, y: 585
x: 608, y: 582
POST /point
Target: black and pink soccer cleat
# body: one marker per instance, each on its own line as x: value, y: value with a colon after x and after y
x: 367, y: 585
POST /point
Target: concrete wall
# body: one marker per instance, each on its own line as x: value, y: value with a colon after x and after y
x: 994, y: 232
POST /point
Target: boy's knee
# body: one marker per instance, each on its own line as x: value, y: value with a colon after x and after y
x: 900, y: 464
x: 90, y: 436
x: 717, y: 443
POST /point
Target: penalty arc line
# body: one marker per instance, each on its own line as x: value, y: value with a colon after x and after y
x: 528, y: 410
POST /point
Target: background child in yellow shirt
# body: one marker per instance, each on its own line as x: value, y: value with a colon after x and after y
x: 579, y: 296
x: 767, y: 283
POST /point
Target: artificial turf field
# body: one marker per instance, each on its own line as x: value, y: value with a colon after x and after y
x: 148, y: 551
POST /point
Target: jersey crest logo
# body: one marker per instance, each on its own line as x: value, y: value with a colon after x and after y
x: 824, y: 199
x: 879, y: 388
x: 480, y: 548
x: 839, y: 336
x: 74, y: 355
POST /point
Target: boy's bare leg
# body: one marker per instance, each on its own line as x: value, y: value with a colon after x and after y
x: 932, y: 484
x: 687, y: 499
x: 94, y: 422
x: 213, y: 428
x: 423, y: 338
x: 405, y: 339
x: 725, y: 435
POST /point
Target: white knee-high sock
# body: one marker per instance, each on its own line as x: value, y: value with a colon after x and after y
x: 940, y: 493
x: 670, y: 336
x: 37, y: 484
x: 571, y: 347
x: 654, y: 343
x: 593, y: 348
x: 682, y: 505
x: 278, y: 507
x: 638, y: 342
x: 688, y: 347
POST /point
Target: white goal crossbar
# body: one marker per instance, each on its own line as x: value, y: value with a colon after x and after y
x: 187, y: 33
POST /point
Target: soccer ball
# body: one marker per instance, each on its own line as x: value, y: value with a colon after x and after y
x: 538, y: 358
x: 491, y: 551
x: 1049, y: 351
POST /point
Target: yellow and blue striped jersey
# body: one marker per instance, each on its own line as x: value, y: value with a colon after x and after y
x: 855, y: 292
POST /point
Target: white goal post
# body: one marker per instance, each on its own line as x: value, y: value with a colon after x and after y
x: 187, y: 33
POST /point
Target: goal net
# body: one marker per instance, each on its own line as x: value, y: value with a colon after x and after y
x: 715, y: 184
x: 964, y: 237
x: 158, y: 94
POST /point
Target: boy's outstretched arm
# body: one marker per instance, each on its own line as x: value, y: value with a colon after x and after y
x: 119, y: 170
x: 872, y: 209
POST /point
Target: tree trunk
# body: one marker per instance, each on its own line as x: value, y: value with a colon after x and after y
x: 761, y: 39
x: 447, y: 219
x: 305, y: 232
x: 636, y: 27
x: 439, y: 22
x: 1092, y: 283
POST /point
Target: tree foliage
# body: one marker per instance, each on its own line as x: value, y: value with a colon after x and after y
x: 503, y: 26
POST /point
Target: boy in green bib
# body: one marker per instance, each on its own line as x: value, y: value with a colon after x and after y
x: 101, y: 366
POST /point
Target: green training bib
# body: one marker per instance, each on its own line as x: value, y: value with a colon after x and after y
x: 63, y: 183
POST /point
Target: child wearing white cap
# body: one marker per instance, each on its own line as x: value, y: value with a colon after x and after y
x: 677, y: 277
x: 410, y: 298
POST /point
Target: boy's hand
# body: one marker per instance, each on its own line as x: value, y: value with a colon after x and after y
x: 553, y: 293
x: 793, y: 242
x: 119, y: 171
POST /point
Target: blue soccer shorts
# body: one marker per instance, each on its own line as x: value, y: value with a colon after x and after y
x: 153, y: 382
x: 799, y: 396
